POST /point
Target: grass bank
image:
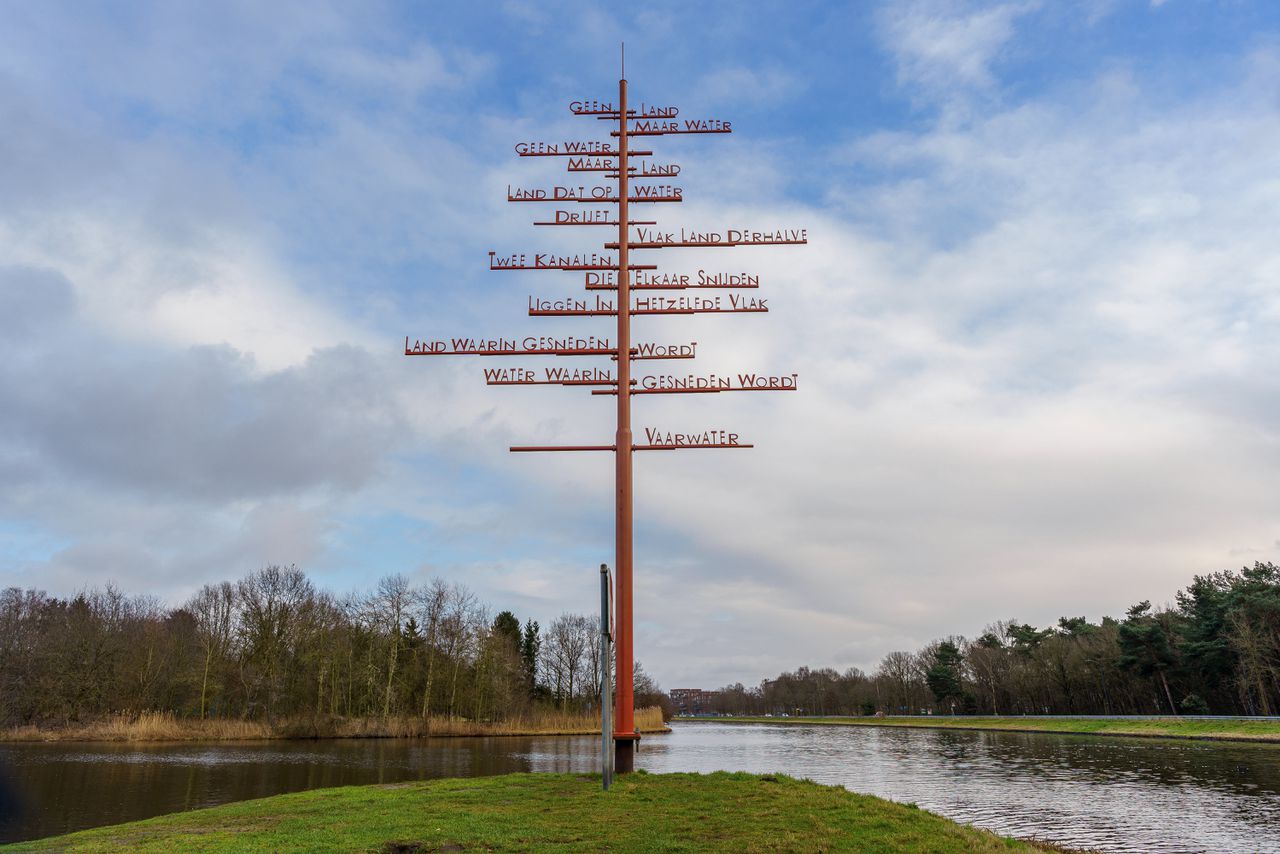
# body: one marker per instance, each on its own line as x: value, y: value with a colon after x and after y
x: 163, y: 726
x: 544, y: 812
x: 1222, y: 730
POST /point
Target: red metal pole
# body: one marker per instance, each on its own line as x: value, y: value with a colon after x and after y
x: 624, y: 735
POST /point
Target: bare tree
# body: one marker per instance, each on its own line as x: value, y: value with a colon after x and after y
x: 594, y: 672
x: 565, y: 653
x: 387, y: 608
x: 212, y: 608
x: 1254, y: 669
x: 271, y: 601
x: 481, y: 633
x: 458, y: 631
x: 432, y: 604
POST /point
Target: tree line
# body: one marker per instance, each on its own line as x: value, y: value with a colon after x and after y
x: 272, y: 646
x: 1215, y: 650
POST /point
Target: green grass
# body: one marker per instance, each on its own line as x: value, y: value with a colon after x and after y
x: 1160, y: 727
x: 544, y: 812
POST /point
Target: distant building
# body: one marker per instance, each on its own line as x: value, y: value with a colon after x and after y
x: 693, y: 701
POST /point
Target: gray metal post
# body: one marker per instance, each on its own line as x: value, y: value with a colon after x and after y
x: 606, y: 698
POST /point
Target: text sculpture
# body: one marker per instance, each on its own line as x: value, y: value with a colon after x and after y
x: 629, y: 289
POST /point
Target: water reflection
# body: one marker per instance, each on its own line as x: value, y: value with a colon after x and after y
x: 1109, y: 794
x: 64, y: 787
x: 1134, y: 795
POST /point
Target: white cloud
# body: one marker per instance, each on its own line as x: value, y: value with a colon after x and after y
x: 1036, y: 349
x: 216, y: 289
x: 943, y: 45
x: 761, y: 87
x: 1036, y: 379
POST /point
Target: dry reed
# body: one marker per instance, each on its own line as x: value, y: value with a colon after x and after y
x: 165, y: 726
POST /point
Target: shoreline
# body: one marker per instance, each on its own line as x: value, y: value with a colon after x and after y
x: 76, y: 739
x: 164, y: 728
x: 537, y: 812
x: 1234, y: 730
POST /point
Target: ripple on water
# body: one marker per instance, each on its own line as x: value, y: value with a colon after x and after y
x: 1122, y: 795
x: 1118, y: 795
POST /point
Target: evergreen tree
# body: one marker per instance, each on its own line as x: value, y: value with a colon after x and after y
x: 1205, y: 642
x: 506, y: 625
x: 530, y: 649
x: 943, y: 676
x: 1145, y: 647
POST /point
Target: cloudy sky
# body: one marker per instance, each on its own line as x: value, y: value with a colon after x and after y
x: 1037, y: 325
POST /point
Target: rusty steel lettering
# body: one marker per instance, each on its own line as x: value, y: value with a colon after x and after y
x: 629, y: 180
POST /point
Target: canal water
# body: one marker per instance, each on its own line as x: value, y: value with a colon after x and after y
x: 1108, y: 794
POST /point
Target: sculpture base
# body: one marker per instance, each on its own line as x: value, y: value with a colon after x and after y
x: 624, y: 752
